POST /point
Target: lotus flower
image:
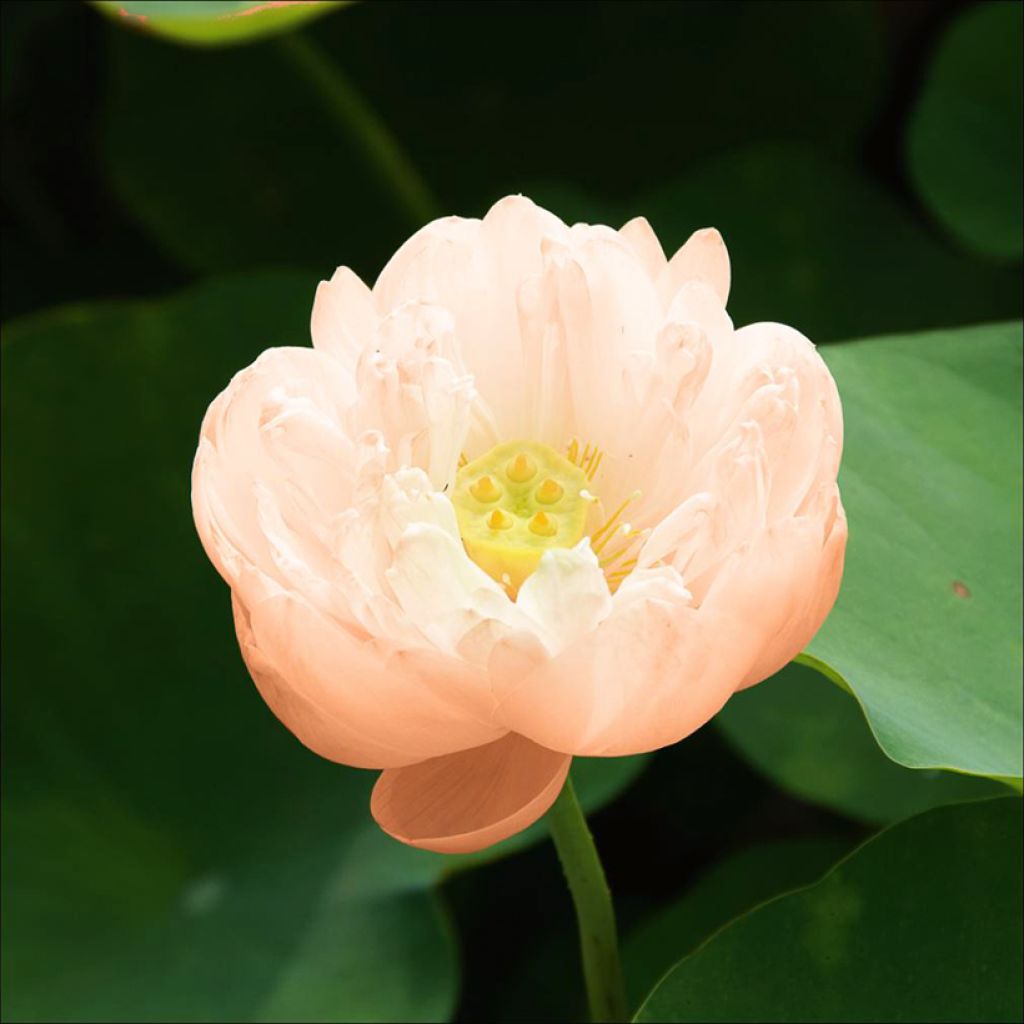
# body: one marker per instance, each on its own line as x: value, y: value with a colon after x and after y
x: 531, y: 496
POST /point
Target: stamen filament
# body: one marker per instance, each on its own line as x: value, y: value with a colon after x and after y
x: 633, y: 535
x: 601, y: 536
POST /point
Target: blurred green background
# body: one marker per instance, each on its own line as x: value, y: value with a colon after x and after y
x: 170, y: 852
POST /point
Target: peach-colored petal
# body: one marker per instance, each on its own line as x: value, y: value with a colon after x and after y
x: 413, y: 391
x: 648, y: 675
x: 644, y: 242
x: 344, y: 320
x: 773, y: 374
x: 703, y: 257
x: 319, y: 728
x: 469, y: 800
x: 815, y: 594
x: 425, y: 268
x: 276, y: 423
x: 345, y: 687
x: 603, y: 307
x: 474, y: 269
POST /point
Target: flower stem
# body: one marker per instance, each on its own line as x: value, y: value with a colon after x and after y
x: 599, y: 944
x: 378, y: 145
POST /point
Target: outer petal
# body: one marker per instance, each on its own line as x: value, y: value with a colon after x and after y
x: 276, y: 425
x: 815, y: 596
x: 472, y: 799
x: 772, y: 375
x: 358, y: 700
x: 766, y: 435
x: 318, y: 727
x: 651, y: 673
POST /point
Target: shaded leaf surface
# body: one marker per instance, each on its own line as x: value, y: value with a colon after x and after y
x: 923, y: 922
x: 286, y: 184
x: 726, y: 890
x: 810, y: 738
x: 965, y: 147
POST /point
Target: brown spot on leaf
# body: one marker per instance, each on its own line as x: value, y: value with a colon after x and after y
x: 961, y: 589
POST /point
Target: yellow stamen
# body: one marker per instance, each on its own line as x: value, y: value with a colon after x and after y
x: 633, y: 536
x: 549, y: 492
x: 485, y: 489
x: 601, y: 536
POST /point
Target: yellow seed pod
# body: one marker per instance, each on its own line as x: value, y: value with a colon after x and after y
x: 506, y: 520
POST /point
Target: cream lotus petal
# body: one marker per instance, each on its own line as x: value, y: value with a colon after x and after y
x: 566, y: 597
x: 531, y: 495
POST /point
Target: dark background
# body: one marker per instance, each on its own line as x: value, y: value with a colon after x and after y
x: 134, y: 167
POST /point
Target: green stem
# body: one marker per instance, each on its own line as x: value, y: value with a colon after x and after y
x: 351, y: 111
x: 595, y: 915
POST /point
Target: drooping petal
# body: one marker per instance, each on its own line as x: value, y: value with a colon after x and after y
x: 471, y: 799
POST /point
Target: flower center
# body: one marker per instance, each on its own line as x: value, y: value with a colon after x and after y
x: 516, y: 502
